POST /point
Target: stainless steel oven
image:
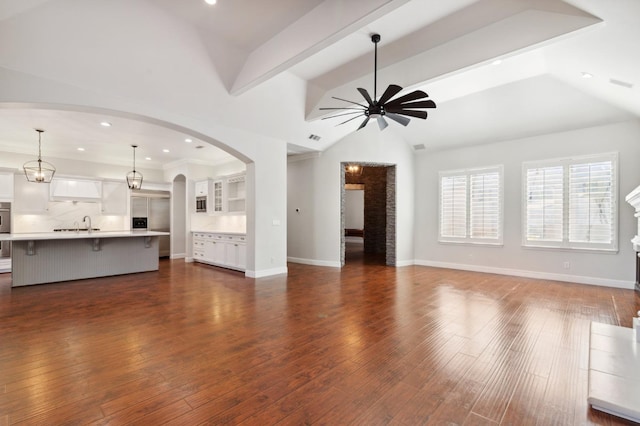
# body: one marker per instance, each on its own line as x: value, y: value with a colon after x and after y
x: 5, y: 228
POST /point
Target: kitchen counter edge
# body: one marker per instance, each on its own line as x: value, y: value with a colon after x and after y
x: 78, y: 235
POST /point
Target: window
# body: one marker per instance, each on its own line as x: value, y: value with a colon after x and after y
x: 571, y: 203
x: 471, y: 206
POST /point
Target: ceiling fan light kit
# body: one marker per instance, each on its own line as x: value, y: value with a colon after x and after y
x: 398, y: 109
x: 39, y: 171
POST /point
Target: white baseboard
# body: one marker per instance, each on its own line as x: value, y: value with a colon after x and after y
x: 178, y: 256
x: 314, y: 262
x: 266, y: 272
x: 356, y: 240
x: 404, y: 263
x: 530, y: 274
x: 188, y: 260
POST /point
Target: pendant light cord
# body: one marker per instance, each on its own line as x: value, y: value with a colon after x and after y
x: 375, y: 69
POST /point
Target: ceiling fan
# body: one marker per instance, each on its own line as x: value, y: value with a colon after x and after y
x: 396, y: 109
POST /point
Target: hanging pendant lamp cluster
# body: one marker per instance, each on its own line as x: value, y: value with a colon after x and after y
x: 39, y: 171
x: 134, y: 178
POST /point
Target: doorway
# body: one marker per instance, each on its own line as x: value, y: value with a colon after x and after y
x: 378, y: 184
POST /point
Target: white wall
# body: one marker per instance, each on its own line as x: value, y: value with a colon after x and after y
x: 354, y: 209
x: 314, y: 232
x: 596, y: 268
x: 179, y: 217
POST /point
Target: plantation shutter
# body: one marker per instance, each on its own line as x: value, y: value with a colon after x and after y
x: 544, y: 204
x: 453, y: 206
x: 571, y: 203
x: 485, y: 205
x: 591, y: 202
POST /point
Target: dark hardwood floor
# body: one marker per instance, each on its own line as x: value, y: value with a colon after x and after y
x: 367, y: 344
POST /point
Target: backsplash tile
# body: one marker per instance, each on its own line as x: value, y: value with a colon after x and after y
x: 64, y: 214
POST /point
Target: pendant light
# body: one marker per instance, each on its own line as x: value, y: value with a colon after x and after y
x: 134, y: 179
x: 39, y: 171
x: 353, y: 169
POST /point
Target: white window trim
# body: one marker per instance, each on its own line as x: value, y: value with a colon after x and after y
x: 468, y: 239
x: 566, y: 244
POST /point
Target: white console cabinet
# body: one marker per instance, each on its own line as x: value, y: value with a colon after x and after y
x: 220, y: 249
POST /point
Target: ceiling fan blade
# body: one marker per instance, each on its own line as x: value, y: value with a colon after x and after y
x: 411, y: 113
x: 353, y: 118
x: 347, y: 100
x: 410, y: 105
x: 328, y: 109
x: 398, y: 118
x: 391, y: 91
x: 341, y: 115
x: 382, y: 123
x: 365, y: 95
x: 413, y: 96
x: 364, y: 123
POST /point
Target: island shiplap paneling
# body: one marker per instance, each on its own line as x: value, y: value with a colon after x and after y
x: 62, y: 260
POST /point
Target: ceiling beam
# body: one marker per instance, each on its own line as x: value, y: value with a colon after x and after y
x: 323, y: 26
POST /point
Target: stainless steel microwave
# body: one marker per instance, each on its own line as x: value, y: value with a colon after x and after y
x: 201, y: 204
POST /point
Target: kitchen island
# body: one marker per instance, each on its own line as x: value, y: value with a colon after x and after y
x: 47, y: 257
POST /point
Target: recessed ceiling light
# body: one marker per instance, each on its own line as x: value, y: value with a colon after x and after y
x: 105, y: 124
x: 496, y: 62
x: 80, y: 149
x: 586, y: 75
x: 165, y: 150
x: 147, y: 158
x: 188, y: 140
x: 210, y: 1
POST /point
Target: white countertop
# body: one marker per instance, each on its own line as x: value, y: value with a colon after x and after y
x: 71, y: 235
x: 219, y: 232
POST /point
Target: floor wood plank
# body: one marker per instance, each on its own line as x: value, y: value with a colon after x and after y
x: 365, y: 344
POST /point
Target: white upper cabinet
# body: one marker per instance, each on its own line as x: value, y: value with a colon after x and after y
x: 114, y: 198
x: 202, y: 188
x: 217, y: 196
x: 72, y: 189
x: 6, y: 186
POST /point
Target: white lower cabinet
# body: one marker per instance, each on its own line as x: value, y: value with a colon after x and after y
x: 226, y: 250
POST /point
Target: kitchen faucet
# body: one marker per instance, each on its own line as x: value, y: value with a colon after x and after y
x: 84, y: 219
x: 77, y: 226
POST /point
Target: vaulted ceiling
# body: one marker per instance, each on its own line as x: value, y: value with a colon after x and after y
x: 497, y: 69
